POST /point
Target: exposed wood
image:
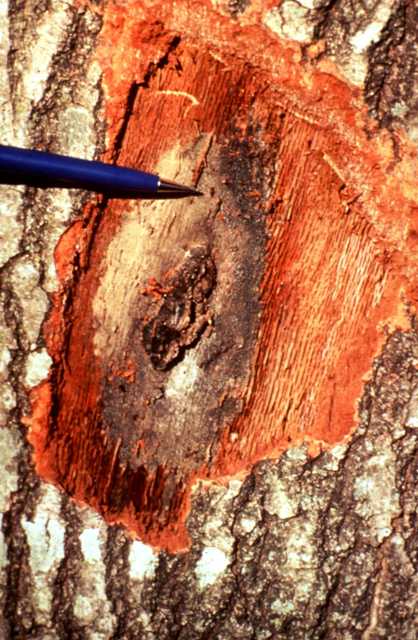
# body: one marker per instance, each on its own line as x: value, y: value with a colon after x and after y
x: 297, y: 241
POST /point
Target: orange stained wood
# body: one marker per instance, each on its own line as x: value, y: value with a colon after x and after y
x: 310, y: 222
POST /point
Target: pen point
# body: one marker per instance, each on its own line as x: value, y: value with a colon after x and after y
x: 169, y: 189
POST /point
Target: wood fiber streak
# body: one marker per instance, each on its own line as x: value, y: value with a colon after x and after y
x: 298, y: 226
x: 321, y: 296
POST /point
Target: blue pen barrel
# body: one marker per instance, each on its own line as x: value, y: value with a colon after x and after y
x: 38, y: 168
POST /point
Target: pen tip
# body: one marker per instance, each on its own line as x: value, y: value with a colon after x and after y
x: 168, y: 189
x: 195, y: 192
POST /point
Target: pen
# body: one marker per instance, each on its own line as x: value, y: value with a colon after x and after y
x: 43, y: 169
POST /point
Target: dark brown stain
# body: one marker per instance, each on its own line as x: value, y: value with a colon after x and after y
x: 180, y: 315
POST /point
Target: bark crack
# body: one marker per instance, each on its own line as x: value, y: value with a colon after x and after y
x: 133, y: 92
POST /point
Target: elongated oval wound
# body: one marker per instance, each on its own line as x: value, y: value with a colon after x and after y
x: 192, y: 338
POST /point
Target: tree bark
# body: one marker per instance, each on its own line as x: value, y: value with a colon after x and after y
x: 210, y: 405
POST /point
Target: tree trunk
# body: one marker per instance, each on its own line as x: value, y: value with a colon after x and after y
x: 210, y: 404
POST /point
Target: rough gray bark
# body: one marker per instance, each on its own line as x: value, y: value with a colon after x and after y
x: 302, y: 548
